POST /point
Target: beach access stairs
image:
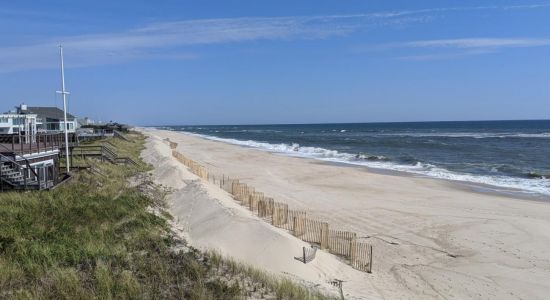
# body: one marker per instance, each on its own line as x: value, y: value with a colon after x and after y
x: 16, y: 176
x: 102, y: 152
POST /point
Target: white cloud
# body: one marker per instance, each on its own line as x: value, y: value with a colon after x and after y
x: 442, y: 56
x: 470, y: 43
x: 177, y: 37
x: 401, y: 13
x: 454, y: 48
x: 115, y: 47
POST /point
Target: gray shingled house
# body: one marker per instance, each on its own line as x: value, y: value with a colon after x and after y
x: 49, y: 119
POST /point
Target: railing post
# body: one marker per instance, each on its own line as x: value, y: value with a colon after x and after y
x: 38, y: 179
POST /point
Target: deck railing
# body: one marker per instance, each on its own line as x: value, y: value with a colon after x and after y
x: 42, y: 142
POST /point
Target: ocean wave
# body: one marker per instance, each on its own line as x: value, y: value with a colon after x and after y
x: 475, y: 135
x: 537, y: 175
x: 540, y: 185
x: 163, y: 128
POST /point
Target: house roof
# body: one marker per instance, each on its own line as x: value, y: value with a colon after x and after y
x: 48, y: 112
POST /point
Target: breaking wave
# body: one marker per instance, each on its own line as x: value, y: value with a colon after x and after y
x: 532, y: 184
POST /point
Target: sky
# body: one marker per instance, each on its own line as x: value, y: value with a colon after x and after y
x: 173, y: 62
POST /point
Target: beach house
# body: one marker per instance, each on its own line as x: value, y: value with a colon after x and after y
x: 32, y: 119
x: 16, y: 123
x: 31, y: 145
x: 49, y: 119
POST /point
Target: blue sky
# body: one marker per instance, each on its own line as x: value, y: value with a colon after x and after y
x: 258, y: 62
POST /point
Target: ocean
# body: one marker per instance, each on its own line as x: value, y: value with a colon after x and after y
x: 510, y: 156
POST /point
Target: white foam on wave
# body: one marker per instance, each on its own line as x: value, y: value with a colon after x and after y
x: 527, y: 185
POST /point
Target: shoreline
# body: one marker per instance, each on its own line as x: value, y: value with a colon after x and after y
x: 457, y: 184
x: 478, y: 187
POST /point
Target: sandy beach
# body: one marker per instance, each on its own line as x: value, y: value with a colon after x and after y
x: 431, y: 238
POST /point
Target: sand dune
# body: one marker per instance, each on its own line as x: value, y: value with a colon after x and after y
x: 210, y: 219
x: 432, y: 238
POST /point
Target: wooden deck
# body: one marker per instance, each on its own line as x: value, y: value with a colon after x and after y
x: 16, y: 145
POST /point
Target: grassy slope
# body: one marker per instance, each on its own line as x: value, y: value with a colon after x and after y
x: 98, y: 237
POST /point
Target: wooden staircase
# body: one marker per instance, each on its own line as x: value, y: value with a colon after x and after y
x: 14, y: 176
x: 103, y: 152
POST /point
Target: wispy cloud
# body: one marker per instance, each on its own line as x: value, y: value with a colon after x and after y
x: 116, y: 47
x: 401, y: 13
x: 459, y: 47
x: 475, y: 43
x: 444, y: 56
x: 164, y: 39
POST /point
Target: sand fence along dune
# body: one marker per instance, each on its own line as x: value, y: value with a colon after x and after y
x: 342, y: 243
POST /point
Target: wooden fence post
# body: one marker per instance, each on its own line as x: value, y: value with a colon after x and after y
x: 369, y: 269
x: 324, y: 236
x: 353, y: 252
x: 274, y: 216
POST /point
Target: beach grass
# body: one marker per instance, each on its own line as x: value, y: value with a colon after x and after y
x: 106, y: 235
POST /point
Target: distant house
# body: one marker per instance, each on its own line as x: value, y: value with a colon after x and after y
x: 85, y: 121
x: 49, y: 119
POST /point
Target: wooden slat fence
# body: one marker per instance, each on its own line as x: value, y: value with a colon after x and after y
x: 295, y: 222
x: 265, y: 207
x: 254, y: 199
x: 315, y: 232
x: 279, y: 215
x: 342, y: 243
x: 173, y: 145
x: 361, y: 258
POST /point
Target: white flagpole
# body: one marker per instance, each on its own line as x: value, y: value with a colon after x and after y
x: 64, y: 93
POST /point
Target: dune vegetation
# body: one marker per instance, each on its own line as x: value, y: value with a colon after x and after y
x: 106, y: 234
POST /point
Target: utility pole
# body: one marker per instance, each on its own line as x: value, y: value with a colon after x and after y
x: 64, y: 93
